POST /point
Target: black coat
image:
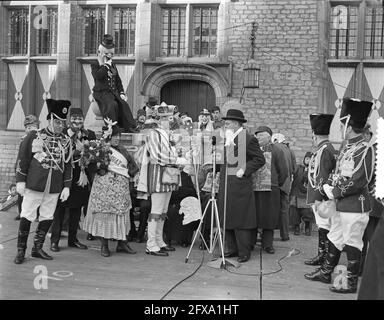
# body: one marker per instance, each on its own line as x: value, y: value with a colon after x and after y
x: 78, y: 196
x: 240, y: 210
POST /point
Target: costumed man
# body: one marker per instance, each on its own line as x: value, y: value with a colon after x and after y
x: 108, y: 90
x: 321, y: 165
x: 267, y: 185
x: 140, y: 120
x: 242, y: 157
x: 349, y: 188
x: 159, y: 176
x: 44, y: 173
x: 81, y: 182
x: 205, y: 123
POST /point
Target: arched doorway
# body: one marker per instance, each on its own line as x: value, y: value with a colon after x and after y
x: 189, y: 95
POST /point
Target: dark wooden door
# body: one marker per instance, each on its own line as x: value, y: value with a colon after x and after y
x: 189, y: 95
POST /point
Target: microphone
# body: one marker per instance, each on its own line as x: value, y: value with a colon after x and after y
x: 213, y: 140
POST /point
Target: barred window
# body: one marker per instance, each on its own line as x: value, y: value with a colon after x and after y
x: 374, y: 33
x: 343, y: 32
x: 173, y: 31
x: 204, y: 31
x: 93, y: 29
x: 47, y: 38
x: 18, y: 31
x: 124, y: 28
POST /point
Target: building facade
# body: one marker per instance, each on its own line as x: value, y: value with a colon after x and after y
x: 192, y: 53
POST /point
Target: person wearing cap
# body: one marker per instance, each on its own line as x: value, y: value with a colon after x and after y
x: 301, y: 211
x: 216, y: 117
x: 267, y: 184
x: 108, y: 90
x: 205, y: 123
x: 110, y: 201
x: 44, y: 173
x: 321, y: 165
x: 140, y: 119
x: 349, y: 187
x: 31, y: 123
x: 242, y: 157
x: 81, y: 182
x: 159, y: 177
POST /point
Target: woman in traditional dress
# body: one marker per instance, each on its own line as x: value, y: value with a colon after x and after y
x: 110, y: 202
x: 159, y: 176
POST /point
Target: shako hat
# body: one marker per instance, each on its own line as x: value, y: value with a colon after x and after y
x: 321, y: 123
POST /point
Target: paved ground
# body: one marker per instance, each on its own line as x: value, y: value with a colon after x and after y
x: 78, y: 274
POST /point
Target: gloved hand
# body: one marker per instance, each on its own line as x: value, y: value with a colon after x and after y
x: 240, y: 173
x: 108, y: 62
x: 123, y: 97
x: 328, y: 191
x: 20, y: 188
x: 180, y: 161
x: 64, y: 194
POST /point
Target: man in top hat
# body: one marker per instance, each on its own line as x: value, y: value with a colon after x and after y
x: 349, y: 187
x: 321, y: 165
x: 242, y: 157
x: 43, y: 174
x: 108, y: 90
x: 216, y: 117
x: 81, y: 183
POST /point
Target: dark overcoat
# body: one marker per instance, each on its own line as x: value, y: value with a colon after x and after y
x: 240, y: 208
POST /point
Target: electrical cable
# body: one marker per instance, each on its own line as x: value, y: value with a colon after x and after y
x: 15, y: 238
x: 186, y: 278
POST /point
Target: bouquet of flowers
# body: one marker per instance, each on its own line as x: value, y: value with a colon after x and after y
x: 94, y: 151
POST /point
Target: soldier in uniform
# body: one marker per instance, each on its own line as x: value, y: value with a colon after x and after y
x: 321, y: 165
x: 349, y: 188
x: 43, y: 174
x: 80, y: 189
x: 108, y: 90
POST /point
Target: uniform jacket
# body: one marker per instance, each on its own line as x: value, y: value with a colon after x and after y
x: 106, y: 79
x: 323, y: 162
x: 42, y: 155
x: 351, y: 178
x: 240, y: 213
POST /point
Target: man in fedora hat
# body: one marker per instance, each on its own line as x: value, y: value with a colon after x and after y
x: 349, y: 187
x: 81, y: 184
x: 108, y: 90
x: 321, y: 165
x: 242, y: 157
x: 43, y: 174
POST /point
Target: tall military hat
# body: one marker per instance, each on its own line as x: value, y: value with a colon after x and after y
x: 321, y: 123
x: 355, y: 112
x: 107, y: 41
x: 76, y: 112
x: 58, y: 108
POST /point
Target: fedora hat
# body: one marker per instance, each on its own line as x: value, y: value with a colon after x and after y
x: 234, y: 114
x: 107, y: 41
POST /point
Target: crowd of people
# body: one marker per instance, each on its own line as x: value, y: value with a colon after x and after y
x: 260, y: 186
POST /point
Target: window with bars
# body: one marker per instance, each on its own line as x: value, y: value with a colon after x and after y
x: 94, y: 29
x: 343, y: 31
x: 374, y: 32
x: 173, y: 31
x: 47, y: 38
x: 18, y: 31
x: 204, y: 31
x: 124, y: 28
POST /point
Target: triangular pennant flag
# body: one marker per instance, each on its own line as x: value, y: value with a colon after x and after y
x: 88, y: 74
x: 16, y: 122
x: 47, y: 75
x: 19, y: 73
x: 125, y: 73
x: 341, y: 78
x: 43, y: 116
x: 375, y: 79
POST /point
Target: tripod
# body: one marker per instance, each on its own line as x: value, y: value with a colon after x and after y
x: 215, y: 232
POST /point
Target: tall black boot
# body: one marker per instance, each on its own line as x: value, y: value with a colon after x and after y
x: 324, y: 273
x: 41, y: 231
x: 353, y: 256
x: 22, y: 239
x: 104, y: 247
x: 322, y: 249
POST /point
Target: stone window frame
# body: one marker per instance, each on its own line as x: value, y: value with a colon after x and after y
x: 100, y: 30
x: 130, y: 50
x: 24, y: 34
x: 371, y: 26
x: 51, y: 44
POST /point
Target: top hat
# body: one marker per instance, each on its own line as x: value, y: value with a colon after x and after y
x: 30, y: 120
x: 58, y: 108
x: 321, y: 123
x: 355, y: 112
x: 234, y: 114
x: 205, y: 112
x: 76, y: 112
x: 107, y: 41
x: 264, y: 129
